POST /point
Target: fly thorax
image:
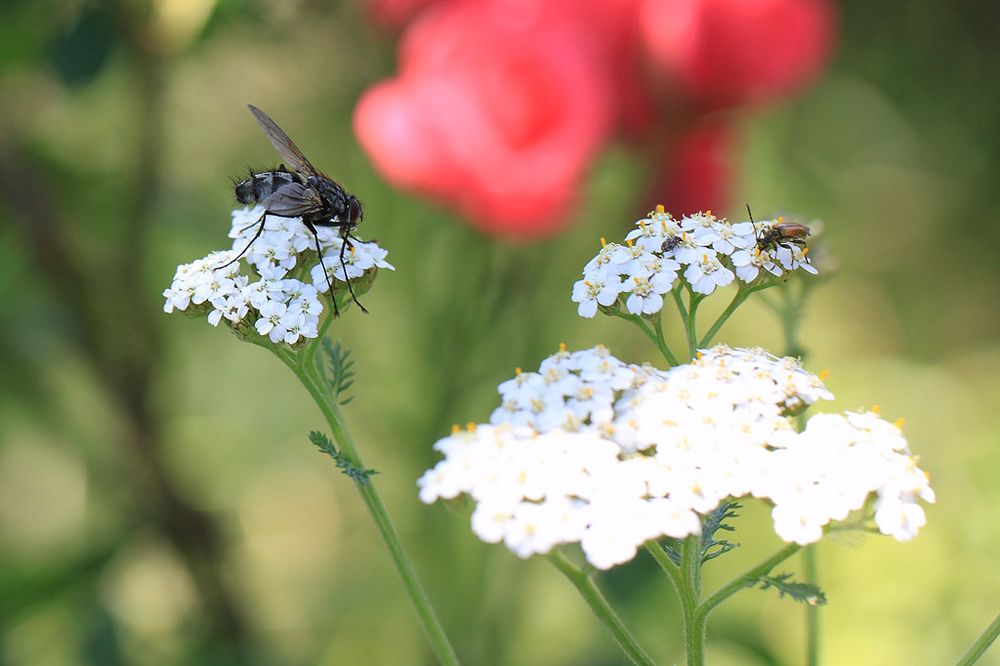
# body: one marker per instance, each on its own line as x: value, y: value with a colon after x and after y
x: 333, y: 196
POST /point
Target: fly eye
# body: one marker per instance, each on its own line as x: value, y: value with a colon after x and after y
x: 355, y: 213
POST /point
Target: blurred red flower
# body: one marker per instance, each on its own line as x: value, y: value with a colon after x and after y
x: 396, y: 13
x: 498, y: 109
x: 500, y: 106
x: 696, y: 173
x: 727, y: 52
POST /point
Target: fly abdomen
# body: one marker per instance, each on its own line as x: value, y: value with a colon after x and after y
x: 258, y: 186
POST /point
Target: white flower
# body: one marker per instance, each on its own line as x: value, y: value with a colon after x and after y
x: 598, y: 290
x: 707, y: 274
x: 646, y: 292
x: 630, y: 259
x: 648, y: 236
x: 600, y: 263
x: 264, y: 291
x: 713, y: 250
x: 610, y: 455
x: 272, y: 314
x: 899, y: 519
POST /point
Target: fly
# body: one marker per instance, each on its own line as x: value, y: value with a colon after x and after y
x: 300, y: 190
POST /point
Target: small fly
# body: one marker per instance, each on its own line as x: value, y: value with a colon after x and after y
x: 303, y: 191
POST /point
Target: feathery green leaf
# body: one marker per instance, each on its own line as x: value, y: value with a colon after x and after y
x: 805, y: 593
x: 344, y: 464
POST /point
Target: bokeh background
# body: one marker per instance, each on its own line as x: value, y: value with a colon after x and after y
x: 159, y: 500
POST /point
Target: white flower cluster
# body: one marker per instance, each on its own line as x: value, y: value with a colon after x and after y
x: 592, y: 450
x: 708, y: 252
x: 273, y: 299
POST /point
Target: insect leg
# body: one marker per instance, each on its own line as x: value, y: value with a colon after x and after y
x: 249, y: 225
x: 319, y: 253
x: 260, y: 230
x: 343, y: 266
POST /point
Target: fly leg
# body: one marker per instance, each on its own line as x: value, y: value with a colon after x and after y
x: 343, y: 266
x: 260, y: 230
x: 329, y: 282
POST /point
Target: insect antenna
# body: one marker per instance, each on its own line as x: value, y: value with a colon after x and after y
x: 755, y: 235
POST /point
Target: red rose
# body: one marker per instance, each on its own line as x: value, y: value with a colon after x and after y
x: 498, y: 109
x: 726, y: 52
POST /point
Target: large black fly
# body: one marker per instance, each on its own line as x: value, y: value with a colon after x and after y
x: 303, y: 191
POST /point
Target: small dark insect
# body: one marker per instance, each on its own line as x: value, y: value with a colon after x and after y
x: 670, y: 243
x: 781, y: 233
x: 304, y: 192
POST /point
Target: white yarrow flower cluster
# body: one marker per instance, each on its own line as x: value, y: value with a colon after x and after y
x: 593, y: 450
x: 271, y: 299
x: 705, y: 251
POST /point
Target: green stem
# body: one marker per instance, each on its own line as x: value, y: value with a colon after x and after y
x: 309, y: 354
x: 812, y: 611
x: 741, y: 295
x: 748, y: 578
x: 679, y: 301
x: 585, y: 585
x: 691, y: 328
x: 662, y: 341
x: 308, y: 374
x: 978, y: 649
x: 656, y: 339
x: 694, y: 620
x: 661, y: 557
x: 789, y: 312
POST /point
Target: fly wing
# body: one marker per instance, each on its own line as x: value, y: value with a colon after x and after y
x: 292, y: 200
x: 285, y: 146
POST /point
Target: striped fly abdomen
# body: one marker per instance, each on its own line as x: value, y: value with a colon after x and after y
x: 258, y: 186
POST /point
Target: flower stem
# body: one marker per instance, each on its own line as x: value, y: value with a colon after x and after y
x: 742, y: 294
x: 668, y: 566
x: 656, y: 337
x: 811, y: 575
x: 789, y: 312
x: 691, y: 328
x: 680, y: 305
x: 585, y: 585
x: 690, y: 592
x: 978, y: 649
x: 662, y: 341
x: 307, y: 372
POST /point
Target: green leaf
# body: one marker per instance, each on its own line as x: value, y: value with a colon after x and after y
x: 672, y: 547
x: 341, y: 377
x: 805, y: 593
x: 344, y: 463
x: 711, y: 525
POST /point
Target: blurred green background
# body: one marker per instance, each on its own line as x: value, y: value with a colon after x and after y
x: 159, y: 500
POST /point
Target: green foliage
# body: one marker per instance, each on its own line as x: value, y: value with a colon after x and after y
x: 711, y: 524
x: 79, y: 52
x: 805, y: 593
x: 341, y: 370
x: 672, y: 547
x: 711, y: 547
x: 344, y: 464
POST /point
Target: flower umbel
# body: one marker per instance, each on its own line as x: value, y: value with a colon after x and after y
x: 705, y: 251
x: 273, y: 291
x: 590, y: 449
